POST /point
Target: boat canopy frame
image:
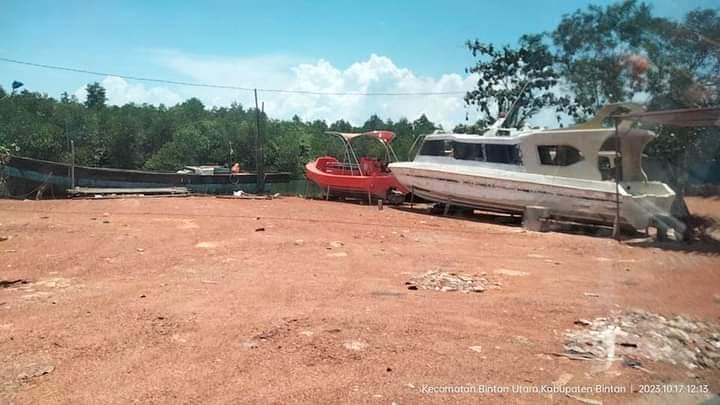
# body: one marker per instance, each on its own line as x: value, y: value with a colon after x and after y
x: 384, y: 137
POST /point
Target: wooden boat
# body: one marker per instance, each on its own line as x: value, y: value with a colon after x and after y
x: 26, y: 176
x: 364, y: 177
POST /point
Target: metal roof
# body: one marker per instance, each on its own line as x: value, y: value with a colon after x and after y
x: 689, y: 118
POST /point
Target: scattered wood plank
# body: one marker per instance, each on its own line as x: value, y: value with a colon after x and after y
x: 572, y: 356
x: 584, y: 400
x: 246, y: 196
x: 93, y: 191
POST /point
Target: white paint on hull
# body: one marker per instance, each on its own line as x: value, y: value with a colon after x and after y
x: 580, y: 199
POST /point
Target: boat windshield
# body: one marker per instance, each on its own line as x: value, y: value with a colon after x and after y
x: 472, y: 151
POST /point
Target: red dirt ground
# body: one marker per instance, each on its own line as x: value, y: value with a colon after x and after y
x: 182, y: 300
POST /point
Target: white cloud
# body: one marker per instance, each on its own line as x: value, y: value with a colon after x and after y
x: 376, y: 74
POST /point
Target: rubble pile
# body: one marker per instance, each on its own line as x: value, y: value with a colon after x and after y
x: 640, y: 334
x: 445, y: 281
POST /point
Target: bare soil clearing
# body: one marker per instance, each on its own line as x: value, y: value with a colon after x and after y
x: 188, y: 301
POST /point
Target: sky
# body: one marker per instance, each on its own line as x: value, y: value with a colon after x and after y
x: 322, y: 45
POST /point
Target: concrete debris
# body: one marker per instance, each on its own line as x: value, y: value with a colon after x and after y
x: 511, y: 273
x: 584, y: 400
x: 54, y: 282
x: 521, y: 340
x: 206, y: 245
x: 355, y: 345
x: 641, y: 334
x: 563, y: 379
x: 36, y: 370
x: 446, y: 282
x: 336, y: 244
x: 337, y: 254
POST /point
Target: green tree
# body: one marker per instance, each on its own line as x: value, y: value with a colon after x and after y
x: 96, y: 97
x: 423, y: 126
x: 622, y: 51
x: 341, y: 126
x: 374, y: 123
x: 593, y: 47
x: 404, y: 138
x: 507, y: 76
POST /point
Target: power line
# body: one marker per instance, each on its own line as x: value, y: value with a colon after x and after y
x: 228, y: 87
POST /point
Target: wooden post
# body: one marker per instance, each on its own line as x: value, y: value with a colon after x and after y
x: 447, y: 208
x: 327, y: 194
x: 618, y: 174
x: 412, y: 196
x: 72, y: 168
x: 534, y: 218
x: 259, y: 153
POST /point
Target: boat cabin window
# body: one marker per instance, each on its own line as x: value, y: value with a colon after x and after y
x: 502, y: 154
x: 468, y: 151
x: 433, y: 148
x: 559, y: 155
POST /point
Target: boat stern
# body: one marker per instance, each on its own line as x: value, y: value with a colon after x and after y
x: 645, y: 202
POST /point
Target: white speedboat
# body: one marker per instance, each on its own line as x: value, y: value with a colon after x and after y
x: 570, y: 172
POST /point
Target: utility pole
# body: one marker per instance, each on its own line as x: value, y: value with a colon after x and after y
x: 72, y: 168
x: 259, y: 155
x: 618, y: 175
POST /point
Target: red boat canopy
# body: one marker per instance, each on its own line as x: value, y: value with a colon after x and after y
x: 385, y: 136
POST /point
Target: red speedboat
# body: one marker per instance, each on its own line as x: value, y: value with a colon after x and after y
x: 366, y: 177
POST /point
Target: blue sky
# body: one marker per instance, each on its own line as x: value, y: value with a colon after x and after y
x: 319, y: 45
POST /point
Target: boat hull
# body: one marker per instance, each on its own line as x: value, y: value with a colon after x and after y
x: 378, y: 186
x: 586, y: 201
x: 25, y: 176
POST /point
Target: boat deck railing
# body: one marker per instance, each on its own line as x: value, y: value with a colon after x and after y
x: 342, y: 167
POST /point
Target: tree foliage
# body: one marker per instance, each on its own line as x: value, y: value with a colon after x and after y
x: 606, y: 54
x: 622, y: 52
x: 96, y: 97
x: 593, y: 47
x: 600, y: 55
x: 507, y: 76
x: 164, y: 138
